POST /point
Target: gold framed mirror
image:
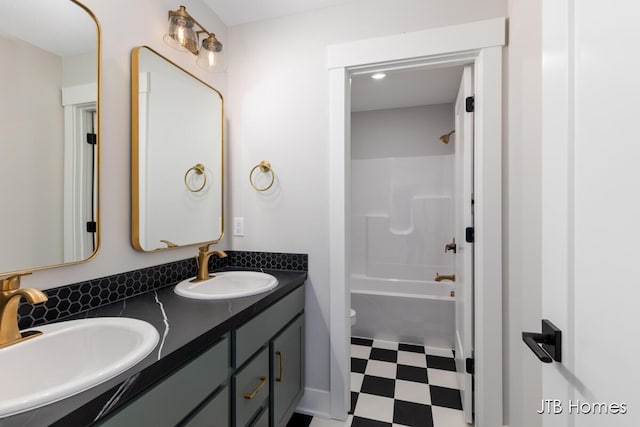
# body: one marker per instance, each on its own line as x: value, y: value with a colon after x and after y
x: 49, y: 134
x: 176, y: 155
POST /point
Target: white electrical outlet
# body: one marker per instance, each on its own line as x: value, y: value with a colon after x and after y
x: 238, y: 226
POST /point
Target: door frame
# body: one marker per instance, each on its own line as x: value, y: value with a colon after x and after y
x: 77, y: 101
x: 463, y: 218
x: 479, y: 43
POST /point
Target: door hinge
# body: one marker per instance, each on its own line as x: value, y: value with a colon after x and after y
x: 91, y: 227
x: 91, y: 138
x: 468, y: 365
x: 469, y: 235
x: 470, y: 104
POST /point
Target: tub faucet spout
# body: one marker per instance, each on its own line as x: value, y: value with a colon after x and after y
x: 451, y: 246
x: 440, y: 278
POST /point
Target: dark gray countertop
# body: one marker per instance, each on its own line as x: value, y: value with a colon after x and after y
x: 186, y: 328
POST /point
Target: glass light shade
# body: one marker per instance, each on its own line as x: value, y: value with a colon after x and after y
x: 211, y: 55
x: 181, y: 35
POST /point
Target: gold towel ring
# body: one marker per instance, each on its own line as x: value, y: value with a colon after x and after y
x: 265, y: 167
x: 199, y: 170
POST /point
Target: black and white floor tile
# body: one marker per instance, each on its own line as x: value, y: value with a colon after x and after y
x: 395, y: 384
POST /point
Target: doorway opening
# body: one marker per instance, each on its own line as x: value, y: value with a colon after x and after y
x: 477, y: 44
x: 80, y: 171
x: 411, y: 291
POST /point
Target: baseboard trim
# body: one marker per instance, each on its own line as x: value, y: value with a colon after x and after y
x: 315, y: 402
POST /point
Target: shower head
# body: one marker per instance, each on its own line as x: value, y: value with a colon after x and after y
x: 445, y: 138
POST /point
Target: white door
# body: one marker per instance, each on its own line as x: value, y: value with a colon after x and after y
x: 591, y: 211
x: 463, y: 219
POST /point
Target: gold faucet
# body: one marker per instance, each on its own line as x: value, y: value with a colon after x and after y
x: 440, y: 278
x: 203, y: 262
x: 169, y: 244
x: 10, y: 294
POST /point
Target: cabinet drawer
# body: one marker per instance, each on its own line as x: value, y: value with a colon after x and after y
x: 214, y: 414
x: 251, y: 388
x: 175, y: 397
x: 257, y: 331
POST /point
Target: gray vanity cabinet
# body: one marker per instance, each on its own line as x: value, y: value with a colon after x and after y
x: 263, y: 419
x: 178, y: 395
x: 278, y: 332
x: 214, y: 412
x: 252, y: 377
x: 287, y: 356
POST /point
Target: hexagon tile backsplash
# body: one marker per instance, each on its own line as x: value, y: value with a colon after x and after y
x: 79, y: 297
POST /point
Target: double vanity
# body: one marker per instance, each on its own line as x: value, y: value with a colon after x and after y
x: 144, y: 348
x: 222, y: 362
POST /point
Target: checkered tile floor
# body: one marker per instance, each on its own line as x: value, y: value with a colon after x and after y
x: 403, y: 385
x: 395, y: 385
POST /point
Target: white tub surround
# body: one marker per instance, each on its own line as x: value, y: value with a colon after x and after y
x: 402, y: 216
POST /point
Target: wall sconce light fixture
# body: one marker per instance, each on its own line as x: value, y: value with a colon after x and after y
x: 182, y: 36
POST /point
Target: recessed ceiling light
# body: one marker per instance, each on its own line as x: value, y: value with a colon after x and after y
x: 378, y: 76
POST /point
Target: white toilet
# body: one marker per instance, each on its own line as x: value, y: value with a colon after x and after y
x: 353, y: 317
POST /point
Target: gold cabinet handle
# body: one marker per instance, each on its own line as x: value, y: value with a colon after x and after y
x: 279, y: 377
x: 263, y: 381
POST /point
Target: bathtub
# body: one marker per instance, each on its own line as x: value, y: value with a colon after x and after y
x: 407, y: 311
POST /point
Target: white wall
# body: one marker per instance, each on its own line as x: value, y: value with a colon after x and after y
x: 522, y: 212
x: 278, y: 110
x: 78, y: 69
x: 144, y: 23
x: 31, y: 149
x: 401, y: 132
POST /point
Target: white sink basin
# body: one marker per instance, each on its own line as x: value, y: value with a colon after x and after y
x: 70, y: 357
x: 228, y: 284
